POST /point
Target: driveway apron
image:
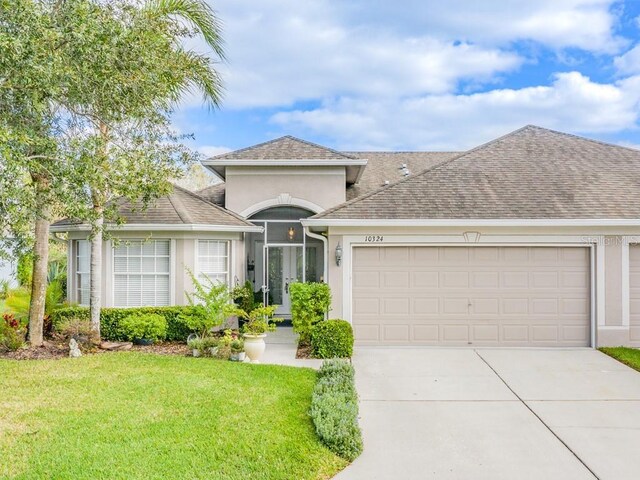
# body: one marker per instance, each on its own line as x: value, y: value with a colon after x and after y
x: 460, y: 413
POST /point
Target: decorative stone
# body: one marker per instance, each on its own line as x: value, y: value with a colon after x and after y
x: 116, y: 346
x: 74, y: 350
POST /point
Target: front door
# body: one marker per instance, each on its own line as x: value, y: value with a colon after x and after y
x: 281, y: 271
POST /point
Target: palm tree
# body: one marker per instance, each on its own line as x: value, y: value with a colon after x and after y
x: 136, y: 68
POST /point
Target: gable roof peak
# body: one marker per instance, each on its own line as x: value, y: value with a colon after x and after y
x: 286, y: 147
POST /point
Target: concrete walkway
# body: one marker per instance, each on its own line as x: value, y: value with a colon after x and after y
x: 496, y: 414
x: 281, y: 350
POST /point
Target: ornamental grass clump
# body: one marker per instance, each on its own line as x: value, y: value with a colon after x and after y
x: 334, y: 409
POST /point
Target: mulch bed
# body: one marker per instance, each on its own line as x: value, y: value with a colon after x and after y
x: 55, y: 349
x: 304, y: 351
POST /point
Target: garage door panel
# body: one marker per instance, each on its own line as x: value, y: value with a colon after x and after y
x: 634, y: 293
x: 478, y: 295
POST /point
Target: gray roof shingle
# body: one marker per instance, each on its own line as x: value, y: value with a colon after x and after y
x: 284, y: 148
x: 180, y: 207
x: 530, y: 173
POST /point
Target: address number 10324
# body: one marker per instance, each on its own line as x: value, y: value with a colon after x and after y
x: 374, y: 238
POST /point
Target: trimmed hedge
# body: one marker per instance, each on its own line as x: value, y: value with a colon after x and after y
x: 310, y: 302
x: 334, y: 409
x: 332, y: 339
x: 110, y: 319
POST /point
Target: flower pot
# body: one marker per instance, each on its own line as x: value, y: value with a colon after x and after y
x: 142, y: 341
x: 237, y: 357
x: 254, y: 346
x: 195, y: 352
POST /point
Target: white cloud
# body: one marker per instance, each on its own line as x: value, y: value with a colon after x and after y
x: 452, y: 122
x: 212, y: 150
x: 629, y: 63
x: 284, y: 51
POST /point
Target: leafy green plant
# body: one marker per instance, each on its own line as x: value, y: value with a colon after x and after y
x: 148, y: 326
x: 310, y: 303
x: 4, y: 289
x: 244, y: 296
x: 213, y: 300
x: 110, y: 319
x: 260, y: 320
x: 334, y: 409
x: 24, y: 269
x: 203, y: 345
x: 237, y: 345
x: 12, y: 332
x: 332, y: 339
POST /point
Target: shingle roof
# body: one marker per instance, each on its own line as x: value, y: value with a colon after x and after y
x: 284, y: 148
x: 181, y: 207
x: 213, y: 193
x: 530, y: 173
x: 381, y: 167
x: 387, y: 166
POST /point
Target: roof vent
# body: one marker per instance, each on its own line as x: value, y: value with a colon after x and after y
x: 406, y: 172
x: 403, y: 166
x: 386, y: 182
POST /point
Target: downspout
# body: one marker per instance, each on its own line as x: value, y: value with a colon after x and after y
x: 325, y: 256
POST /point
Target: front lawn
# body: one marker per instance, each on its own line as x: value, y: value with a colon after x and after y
x: 132, y: 415
x: 628, y: 356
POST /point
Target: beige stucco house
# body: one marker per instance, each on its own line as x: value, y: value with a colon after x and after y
x: 532, y: 239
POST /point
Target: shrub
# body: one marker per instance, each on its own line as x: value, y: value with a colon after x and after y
x: 4, y: 289
x: 12, y: 332
x: 80, y: 330
x: 332, y: 339
x: 203, y: 345
x: 110, y: 319
x: 214, y: 299
x: 310, y: 303
x: 148, y: 326
x: 334, y: 409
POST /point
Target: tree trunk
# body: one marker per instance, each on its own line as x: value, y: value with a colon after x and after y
x: 40, y: 264
x: 95, y: 292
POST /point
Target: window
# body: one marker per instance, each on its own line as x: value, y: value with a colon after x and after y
x: 141, y: 273
x: 83, y: 271
x: 213, y: 260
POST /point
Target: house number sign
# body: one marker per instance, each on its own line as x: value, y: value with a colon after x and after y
x: 373, y: 238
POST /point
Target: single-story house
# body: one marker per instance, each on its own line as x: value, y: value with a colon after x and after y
x: 532, y: 239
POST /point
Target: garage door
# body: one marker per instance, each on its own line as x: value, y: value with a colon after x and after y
x: 634, y: 293
x: 512, y: 296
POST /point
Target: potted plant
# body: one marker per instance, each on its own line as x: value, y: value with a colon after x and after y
x: 144, y: 329
x: 195, y: 344
x: 237, y: 350
x: 255, y: 330
x: 203, y: 346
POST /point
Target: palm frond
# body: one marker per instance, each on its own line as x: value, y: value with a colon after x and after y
x: 198, y: 14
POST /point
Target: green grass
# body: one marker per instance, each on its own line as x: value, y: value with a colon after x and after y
x: 134, y: 416
x: 628, y: 356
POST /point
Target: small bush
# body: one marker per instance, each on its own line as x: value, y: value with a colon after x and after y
x: 12, y: 332
x: 332, y: 339
x: 80, y: 330
x: 310, y: 303
x: 334, y: 409
x: 147, y: 326
x: 110, y: 318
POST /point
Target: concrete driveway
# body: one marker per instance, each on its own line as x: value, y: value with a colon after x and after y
x: 450, y: 413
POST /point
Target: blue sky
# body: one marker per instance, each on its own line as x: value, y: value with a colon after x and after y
x: 421, y: 74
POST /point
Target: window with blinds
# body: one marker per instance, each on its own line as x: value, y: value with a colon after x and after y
x: 141, y: 273
x: 213, y: 260
x: 83, y: 271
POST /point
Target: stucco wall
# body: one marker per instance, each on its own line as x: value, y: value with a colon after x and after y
x: 247, y: 187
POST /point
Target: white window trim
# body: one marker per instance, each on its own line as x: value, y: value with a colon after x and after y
x: 172, y: 250
x: 198, y: 271
x: 76, y: 280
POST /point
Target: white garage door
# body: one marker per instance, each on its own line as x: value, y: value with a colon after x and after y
x: 512, y: 296
x: 634, y: 293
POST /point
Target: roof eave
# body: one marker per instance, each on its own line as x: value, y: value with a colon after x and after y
x: 473, y: 222
x: 219, y: 166
x: 194, y: 227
